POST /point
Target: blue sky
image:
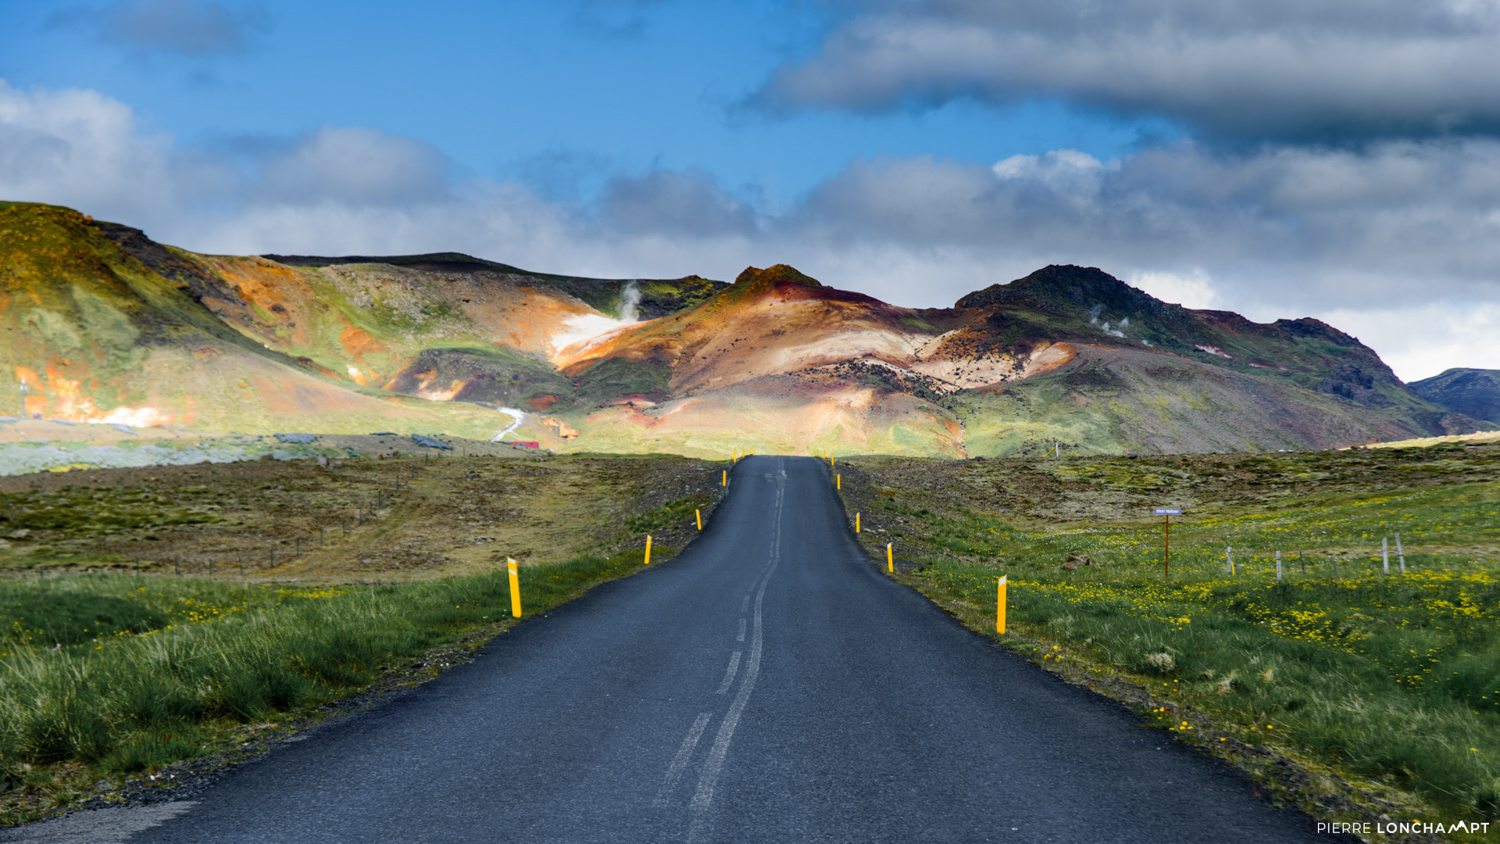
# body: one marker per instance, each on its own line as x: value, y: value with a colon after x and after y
x: 1319, y: 158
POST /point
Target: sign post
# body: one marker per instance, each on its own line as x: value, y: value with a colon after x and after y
x: 1166, y: 554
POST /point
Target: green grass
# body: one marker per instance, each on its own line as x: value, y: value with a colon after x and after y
x: 84, y: 510
x: 1392, y: 680
x: 673, y: 511
x: 120, y: 674
x: 620, y: 377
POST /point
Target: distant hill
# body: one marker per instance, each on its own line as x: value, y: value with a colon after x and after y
x: 104, y: 324
x: 1472, y: 392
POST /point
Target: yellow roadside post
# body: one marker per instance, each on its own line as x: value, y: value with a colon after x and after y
x: 698, y: 511
x: 726, y: 478
x: 1000, y: 608
x: 856, y: 523
x: 648, y: 550
x: 838, y: 481
x: 834, y: 460
x: 890, y: 559
x: 515, y: 587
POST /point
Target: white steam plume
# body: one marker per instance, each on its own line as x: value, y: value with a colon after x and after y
x: 628, y: 300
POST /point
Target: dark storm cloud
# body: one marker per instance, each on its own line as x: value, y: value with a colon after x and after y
x: 1327, y: 70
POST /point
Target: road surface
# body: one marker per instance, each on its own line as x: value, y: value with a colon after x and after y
x: 768, y: 685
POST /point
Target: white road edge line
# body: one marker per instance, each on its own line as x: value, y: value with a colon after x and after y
x: 741, y: 636
x: 734, y: 665
x: 680, y: 761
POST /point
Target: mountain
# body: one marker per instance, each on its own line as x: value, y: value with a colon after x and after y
x: 1472, y: 392
x: 104, y: 324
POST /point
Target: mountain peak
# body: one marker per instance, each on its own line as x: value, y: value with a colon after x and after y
x: 773, y: 275
x: 1062, y: 285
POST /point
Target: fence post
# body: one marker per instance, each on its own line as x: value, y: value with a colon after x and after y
x: 1385, y: 555
x: 1400, y: 555
x: 1278, y: 566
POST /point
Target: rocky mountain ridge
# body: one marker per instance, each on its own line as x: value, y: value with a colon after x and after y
x: 1472, y: 392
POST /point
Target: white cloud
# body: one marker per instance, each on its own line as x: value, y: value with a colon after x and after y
x: 690, y: 203
x: 1307, y: 69
x: 1302, y: 228
x: 356, y: 165
x: 1193, y: 289
x: 1424, y: 340
x: 82, y: 148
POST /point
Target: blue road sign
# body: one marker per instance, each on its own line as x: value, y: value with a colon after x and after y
x: 1168, y: 511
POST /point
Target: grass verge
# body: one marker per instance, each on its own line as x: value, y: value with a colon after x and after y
x: 107, y: 677
x: 1350, y: 691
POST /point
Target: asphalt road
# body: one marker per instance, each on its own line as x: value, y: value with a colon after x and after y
x: 770, y: 684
